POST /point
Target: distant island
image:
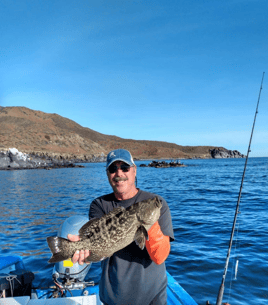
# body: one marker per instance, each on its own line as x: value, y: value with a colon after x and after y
x: 51, y: 136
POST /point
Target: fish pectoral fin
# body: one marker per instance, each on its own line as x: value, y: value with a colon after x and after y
x: 140, y: 242
x: 140, y: 237
x: 145, y: 232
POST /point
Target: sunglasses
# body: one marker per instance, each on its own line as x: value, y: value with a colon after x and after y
x: 113, y: 168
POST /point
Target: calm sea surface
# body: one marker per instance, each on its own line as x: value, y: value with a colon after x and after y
x: 202, y: 198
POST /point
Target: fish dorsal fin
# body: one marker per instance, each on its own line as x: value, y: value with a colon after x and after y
x: 85, y: 229
x: 140, y: 237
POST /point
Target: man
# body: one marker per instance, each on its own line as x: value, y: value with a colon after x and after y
x: 131, y: 276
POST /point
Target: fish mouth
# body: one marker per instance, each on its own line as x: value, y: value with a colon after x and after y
x: 149, y: 221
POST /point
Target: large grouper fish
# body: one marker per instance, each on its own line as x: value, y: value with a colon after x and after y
x: 112, y: 232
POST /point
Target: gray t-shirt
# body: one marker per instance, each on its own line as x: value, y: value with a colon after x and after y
x: 129, y: 276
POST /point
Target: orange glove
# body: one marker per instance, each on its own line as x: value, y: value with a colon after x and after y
x: 158, y: 245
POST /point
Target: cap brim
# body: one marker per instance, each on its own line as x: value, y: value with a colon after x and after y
x: 119, y: 159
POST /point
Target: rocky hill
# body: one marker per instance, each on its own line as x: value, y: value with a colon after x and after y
x: 45, y: 134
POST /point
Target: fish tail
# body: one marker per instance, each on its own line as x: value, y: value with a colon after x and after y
x: 58, y: 247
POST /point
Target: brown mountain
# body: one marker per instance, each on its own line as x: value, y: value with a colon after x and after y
x: 33, y: 131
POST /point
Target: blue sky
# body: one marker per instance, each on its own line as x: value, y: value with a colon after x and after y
x: 186, y: 72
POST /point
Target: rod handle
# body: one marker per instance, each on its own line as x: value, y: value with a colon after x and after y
x: 220, y: 295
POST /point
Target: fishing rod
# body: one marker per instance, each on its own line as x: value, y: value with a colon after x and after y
x: 221, y: 290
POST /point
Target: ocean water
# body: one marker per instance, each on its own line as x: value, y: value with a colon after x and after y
x: 202, y: 198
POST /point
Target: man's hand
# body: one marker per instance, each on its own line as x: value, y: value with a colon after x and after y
x: 81, y: 255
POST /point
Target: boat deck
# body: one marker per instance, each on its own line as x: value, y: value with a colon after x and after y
x: 10, y: 266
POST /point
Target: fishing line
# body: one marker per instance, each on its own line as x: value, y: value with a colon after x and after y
x: 221, y: 290
x: 235, y: 261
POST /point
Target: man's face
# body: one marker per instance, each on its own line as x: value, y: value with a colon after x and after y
x: 122, y: 182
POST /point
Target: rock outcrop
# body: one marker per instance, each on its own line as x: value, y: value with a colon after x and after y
x: 218, y: 153
x: 163, y: 164
x: 13, y: 159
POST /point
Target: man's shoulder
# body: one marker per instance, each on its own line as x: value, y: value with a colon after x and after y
x: 104, y: 198
x: 101, y: 205
x: 143, y: 195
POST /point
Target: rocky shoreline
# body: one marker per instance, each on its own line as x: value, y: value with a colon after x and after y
x: 224, y: 153
x: 13, y: 159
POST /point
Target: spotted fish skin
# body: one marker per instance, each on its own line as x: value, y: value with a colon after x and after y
x: 112, y: 232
